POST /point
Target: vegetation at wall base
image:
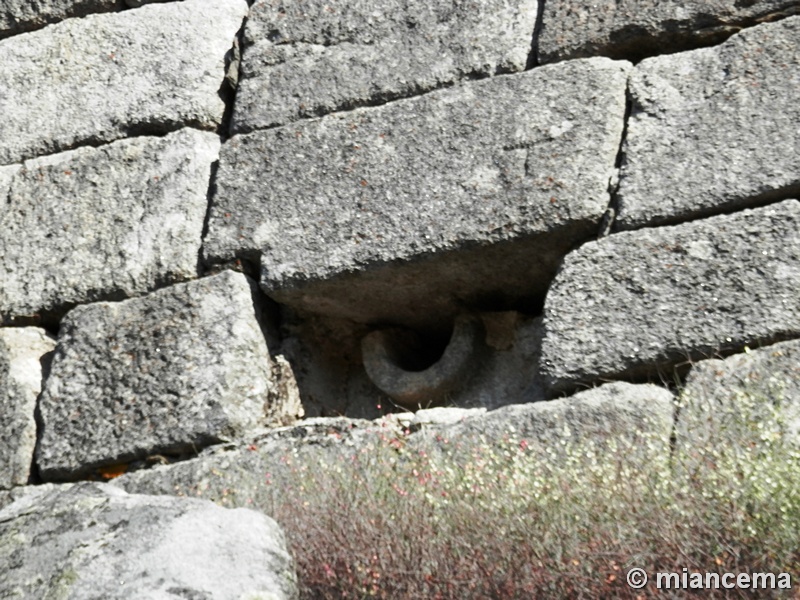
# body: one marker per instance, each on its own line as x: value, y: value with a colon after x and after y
x: 512, y: 520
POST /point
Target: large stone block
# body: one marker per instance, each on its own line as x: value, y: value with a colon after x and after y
x: 21, y: 373
x: 714, y: 129
x: 170, y: 372
x: 92, y: 541
x: 260, y: 471
x: 633, y: 29
x: 304, y: 59
x: 641, y: 416
x: 18, y: 16
x: 726, y: 399
x: 360, y: 215
x: 635, y: 302
x: 103, y: 77
x: 103, y: 223
x: 253, y: 472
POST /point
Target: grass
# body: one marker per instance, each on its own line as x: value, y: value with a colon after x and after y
x: 509, y: 520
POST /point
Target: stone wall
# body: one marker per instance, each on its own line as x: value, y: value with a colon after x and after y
x: 221, y: 216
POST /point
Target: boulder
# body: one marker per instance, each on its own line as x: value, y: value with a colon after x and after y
x: 168, y: 373
x: 723, y: 399
x: 305, y: 59
x: 108, y: 76
x: 103, y: 223
x: 469, y: 195
x: 92, y: 541
x: 634, y: 29
x: 713, y: 130
x: 22, y: 353
x: 637, y: 303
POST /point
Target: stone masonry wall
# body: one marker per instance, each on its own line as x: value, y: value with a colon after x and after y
x: 221, y: 216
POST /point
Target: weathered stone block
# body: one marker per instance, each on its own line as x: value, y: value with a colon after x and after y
x: 103, y: 77
x: 615, y: 411
x: 631, y: 303
x: 358, y: 215
x: 103, y: 223
x: 252, y: 473
x: 713, y: 130
x: 173, y: 371
x: 304, y: 59
x: 256, y: 473
x: 90, y: 540
x: 21, y: 372
x: 19, y: 16
x: 633, y: 29
x: 722, y: 399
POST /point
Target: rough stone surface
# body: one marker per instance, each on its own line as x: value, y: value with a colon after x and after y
x: 634, y: 302
x: 619, y: 411
x: 442, y: 415
x: 18, y: 16
x: 100, y: 78
x: 633, y: 29
x: 170, y: 372
x: 253, y: 474
x: 740, y: 388
x: 21, y: 373
x: 304, y: 59
x: 358, y: 214
x: 6, y: 175
x: 385, y: 353
x: 509, y: 373
x: 103, y: 223
x: 250, y: 474
x: 93, y: 541
x: 328, y: 366
x: 714, y: 129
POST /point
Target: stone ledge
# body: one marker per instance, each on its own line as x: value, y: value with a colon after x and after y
x: 635, y: 304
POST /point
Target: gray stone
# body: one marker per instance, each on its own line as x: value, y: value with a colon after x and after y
x: 259, y: 473
x: 636, y: 303
x: 19, y: 16
x: 93, y: 541
x: 359, y: 215
x: 509, y: 372
x: 633, y: 29
x: 103, y: 223
x: 252, y: 473
x: 723, y: 399
x: 387, y: 351
x: 167, y: 373
x: 304, y: 59
x: 21, y: 373
x: 444, y: 416
x: 328, y: 365
x: 491, y: 360
x: 714, y: 129
x: 6, y: 176
x: 107, y: 76
x: 618, y: 412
